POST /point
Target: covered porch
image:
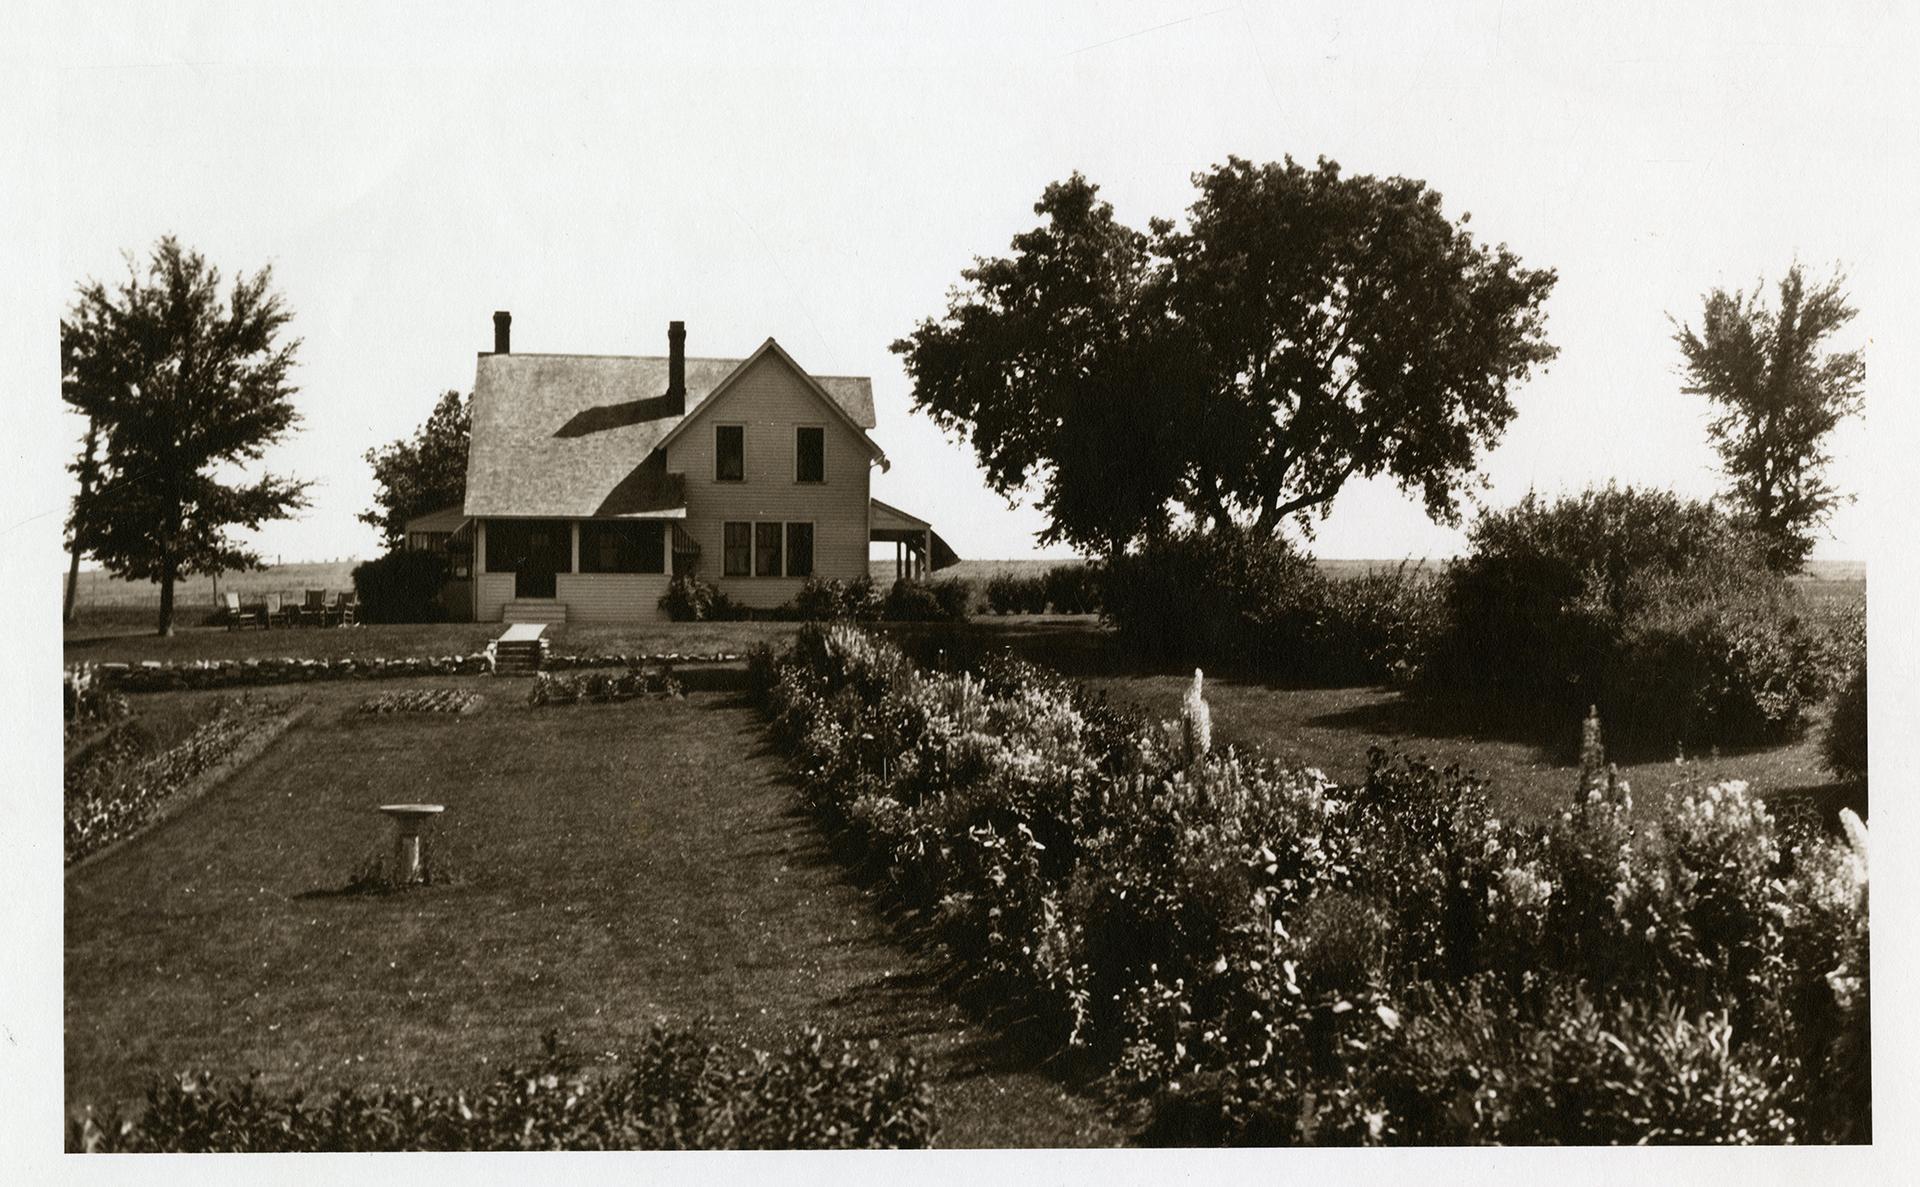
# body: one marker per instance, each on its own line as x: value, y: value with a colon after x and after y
x: 917, y: 548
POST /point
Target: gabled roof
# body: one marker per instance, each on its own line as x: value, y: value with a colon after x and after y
x: 444, y: 519
x: 569, y: 435
x: 770, y: 347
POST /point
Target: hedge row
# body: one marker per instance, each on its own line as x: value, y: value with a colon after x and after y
x: 677, y: 1090
x: 948, y: 599
x: 1265, y: 957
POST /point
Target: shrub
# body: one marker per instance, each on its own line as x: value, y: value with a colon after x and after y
x: 833, y: 600
x: 1657, y: 609
x: 1846, y: 740
x: 1235, y: 596
x: 1010, y: 593
x: 689, y: 599
x: 401, y: 587
x: 1374, y: 627
x: 1072, y: 588
x: 945, y: 600
x: 550, y: 688
x: 1201, y: 597
x: 678, y: 1090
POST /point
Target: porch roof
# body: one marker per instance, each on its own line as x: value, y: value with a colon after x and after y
x: 892, y: 525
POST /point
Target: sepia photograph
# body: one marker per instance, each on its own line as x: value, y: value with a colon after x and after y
x: 1178, y: 580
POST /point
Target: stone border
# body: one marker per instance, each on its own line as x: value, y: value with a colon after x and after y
x: 159, y: 676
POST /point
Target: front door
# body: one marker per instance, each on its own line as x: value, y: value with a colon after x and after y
x: 548, y: 550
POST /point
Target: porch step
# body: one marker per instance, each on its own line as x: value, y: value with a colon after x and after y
x: 541, y: 610
x: 520, y: 651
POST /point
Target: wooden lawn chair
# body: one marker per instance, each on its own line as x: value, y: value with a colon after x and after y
x: 314, y: 613
x: 345, y: 603
x: 235, y: 615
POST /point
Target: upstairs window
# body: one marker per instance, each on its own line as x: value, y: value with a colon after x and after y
x: 810, y: 454
x: 738, y: 550
x: 730, y: 453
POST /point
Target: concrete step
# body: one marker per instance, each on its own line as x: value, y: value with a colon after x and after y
x: 534, y: 611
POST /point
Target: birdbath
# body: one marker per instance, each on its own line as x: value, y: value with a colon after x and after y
x: 407, y: 819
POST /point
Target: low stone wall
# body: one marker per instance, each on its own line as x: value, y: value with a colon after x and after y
x: 157, y: 676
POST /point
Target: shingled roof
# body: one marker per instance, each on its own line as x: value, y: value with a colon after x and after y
x: 567, y: 436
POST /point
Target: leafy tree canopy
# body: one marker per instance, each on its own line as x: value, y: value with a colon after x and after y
x: 185, y: 387
x: 1302, y: 328
x: 1777, y: 395
x: 422, y: 473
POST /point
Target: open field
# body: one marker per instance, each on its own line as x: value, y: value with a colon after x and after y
x: 607, y: 866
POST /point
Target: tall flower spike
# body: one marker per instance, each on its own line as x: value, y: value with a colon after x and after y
x: 1593, y: 757
x: 1197, y: 721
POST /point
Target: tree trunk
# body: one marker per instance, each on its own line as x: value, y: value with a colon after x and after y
x: 73, y: 585
x: 79, y: 511
x: 166, y: 601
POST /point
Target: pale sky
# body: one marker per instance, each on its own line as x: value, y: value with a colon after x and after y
x: 822, y: 177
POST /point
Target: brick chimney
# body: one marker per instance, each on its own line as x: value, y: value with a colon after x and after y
x: 677, y: 367
x: 503, y: 332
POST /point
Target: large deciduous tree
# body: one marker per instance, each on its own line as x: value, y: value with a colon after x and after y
x: 422, y: 473
x: 1301, y: 329
x: 185, y: 387
x: 1777, y: 395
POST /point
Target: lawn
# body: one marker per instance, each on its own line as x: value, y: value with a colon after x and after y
x: 608, y: 865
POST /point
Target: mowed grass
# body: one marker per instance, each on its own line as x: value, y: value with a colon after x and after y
x: 607, y: 865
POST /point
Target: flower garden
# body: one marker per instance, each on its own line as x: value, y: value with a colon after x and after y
x: 1246, y: 952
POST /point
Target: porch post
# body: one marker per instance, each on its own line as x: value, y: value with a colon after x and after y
x: 475, y: 570
x: 573, y: 563
x: 926, y: 553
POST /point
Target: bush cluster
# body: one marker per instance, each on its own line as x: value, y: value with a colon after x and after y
x: 1239, y: 596
x: 678, y: 1090
x: 1266, y: 957
x: 1657, y: 609
x: 689, y: 599
x: 1012, y: 593
x: 1846, y: 740
x: 401, y: 586
x: 833, y: 600
x: 947, y: 599
x: 1064, y: 589
x: 659, y: 683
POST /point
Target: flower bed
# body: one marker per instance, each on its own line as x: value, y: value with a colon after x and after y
x: 119, y: 787
x: 677, y: 1091
x: 1265, y: 957
x: 550, y: 689
x: 423, y: 700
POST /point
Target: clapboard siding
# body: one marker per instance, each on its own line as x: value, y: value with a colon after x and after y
x: 612, y: 597
x: 492, y: 592
x: 771, y: 401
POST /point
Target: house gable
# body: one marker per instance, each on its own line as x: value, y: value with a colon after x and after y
x: 712, y: 409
